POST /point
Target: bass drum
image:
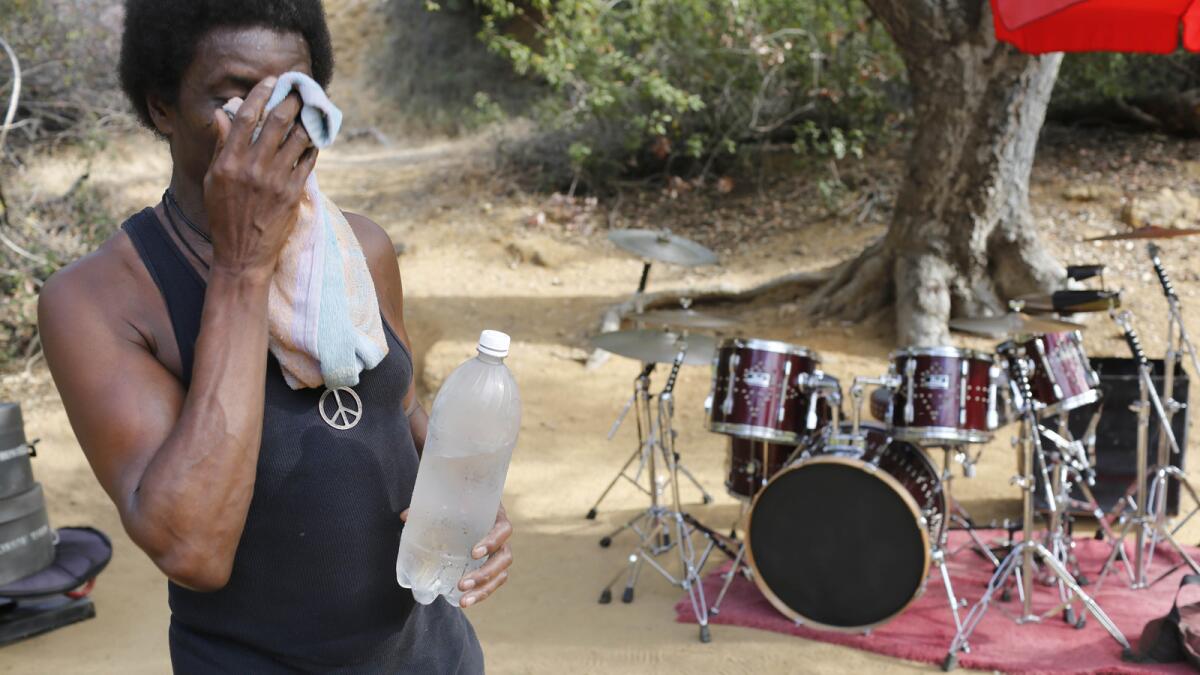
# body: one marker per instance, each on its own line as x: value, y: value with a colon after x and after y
x: 841, y: 539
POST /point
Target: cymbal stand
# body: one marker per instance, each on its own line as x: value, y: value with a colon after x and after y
x: 664, y: 527
x: 1148, y: 520
x: 1023, y: 555
x: 642, y: 454
x: 1178, y: 344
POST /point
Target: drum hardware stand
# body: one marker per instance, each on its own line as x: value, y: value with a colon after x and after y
x: 1149, y: 519
x: 1024, y: 553
x: 643, y: 454
x: 660, y: 520
x: 941, y: 539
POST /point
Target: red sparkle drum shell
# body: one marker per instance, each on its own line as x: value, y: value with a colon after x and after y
x: 758, y: 391
x: 1062, y: 377
x: 752, y: 463
x: 954, y: 395
x: 841, y: 538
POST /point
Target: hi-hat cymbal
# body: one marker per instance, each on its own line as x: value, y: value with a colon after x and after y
x: 663, y: 246
x: 1070, y: 301
x: 656, y: 346
x: 1149, y: 232
x: 683, y: 318
x: 1012, y: 324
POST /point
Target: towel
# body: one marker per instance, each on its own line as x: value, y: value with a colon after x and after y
x: 323, y: 314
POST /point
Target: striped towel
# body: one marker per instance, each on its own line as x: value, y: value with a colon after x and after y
x: 323, y: 314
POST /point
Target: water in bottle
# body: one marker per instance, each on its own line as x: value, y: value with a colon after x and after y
x: 472, y: 431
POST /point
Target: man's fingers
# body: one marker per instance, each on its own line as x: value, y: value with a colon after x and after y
x: 404, y: 516
x: 494, y: 539
x: 500, y: 562
x: 247, y: 117
x: 294, y: 146
x: 223, y: 125
x: 308, y: 160
x: 278, y: 121
x: 476, y: 597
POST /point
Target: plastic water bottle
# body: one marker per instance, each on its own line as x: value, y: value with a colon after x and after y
x: 472, y: 432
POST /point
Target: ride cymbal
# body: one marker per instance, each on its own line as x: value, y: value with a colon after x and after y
x: 656, y: 346
x: 1148, y: 232
x: 1012, y: 324
x: 683, y: 318
x: 662, y: 246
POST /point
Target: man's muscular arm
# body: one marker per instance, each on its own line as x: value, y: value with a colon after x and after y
x: 385, y: 272
x: 180, y: 466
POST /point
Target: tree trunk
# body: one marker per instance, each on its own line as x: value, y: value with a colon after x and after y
x: 962, y: 239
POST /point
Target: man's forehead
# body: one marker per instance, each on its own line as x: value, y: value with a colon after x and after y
x: 249, y: 54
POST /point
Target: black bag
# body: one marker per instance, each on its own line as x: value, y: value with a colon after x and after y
x: 1176, y: 636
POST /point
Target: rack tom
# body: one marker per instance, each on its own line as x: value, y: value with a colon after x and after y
x: 770, y: 391
x: 1062, y: 377
x: 945, y: 395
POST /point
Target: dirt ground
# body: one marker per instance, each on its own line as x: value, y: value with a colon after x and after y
x: 478, y: 256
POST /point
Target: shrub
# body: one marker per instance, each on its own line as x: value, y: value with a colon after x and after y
x: 683, y: 85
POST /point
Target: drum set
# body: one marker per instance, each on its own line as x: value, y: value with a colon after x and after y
x: 843, y: 519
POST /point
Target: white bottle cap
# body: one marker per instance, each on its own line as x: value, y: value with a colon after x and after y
x: 494, y: 343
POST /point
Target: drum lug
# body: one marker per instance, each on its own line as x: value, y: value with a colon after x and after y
x: 910, y: 371
x: 784, y: 386
x: 963, y: 384
x: 993, y: 413
x: 731, y: 379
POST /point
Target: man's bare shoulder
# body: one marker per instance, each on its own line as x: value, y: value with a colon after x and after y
x: 102, y: 284
x: 377, y: 245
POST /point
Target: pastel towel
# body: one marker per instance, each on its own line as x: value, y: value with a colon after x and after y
x: 323, y: 313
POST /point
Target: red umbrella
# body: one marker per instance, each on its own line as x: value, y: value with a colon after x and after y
x: 1154, y: 26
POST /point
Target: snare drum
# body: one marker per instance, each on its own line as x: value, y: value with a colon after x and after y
x: 770, y: 391
x: 1062, y: 377
x: 841, y: 538
x: 946, y: 395
x: 752, y: 463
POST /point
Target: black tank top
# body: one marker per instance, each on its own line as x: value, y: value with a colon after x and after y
x: 313, y: 587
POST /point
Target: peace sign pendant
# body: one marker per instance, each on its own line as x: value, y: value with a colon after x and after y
x: 341, y: 408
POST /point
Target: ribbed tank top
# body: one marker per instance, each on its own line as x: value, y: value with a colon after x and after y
x: 313, y: 587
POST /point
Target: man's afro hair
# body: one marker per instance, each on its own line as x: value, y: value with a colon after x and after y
x: 160, y: 39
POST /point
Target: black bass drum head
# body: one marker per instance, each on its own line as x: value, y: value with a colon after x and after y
x: 837, y: 544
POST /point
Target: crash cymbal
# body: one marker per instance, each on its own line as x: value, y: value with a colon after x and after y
x: 1148, y: 232
x: 683, y: 318
x: 656, y: 346
x: 1069, y: 302
x: 1012, y: 324
x: 662, y: 246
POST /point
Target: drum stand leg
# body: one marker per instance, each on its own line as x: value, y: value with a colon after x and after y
x: 956, y: 513
x: 1025, y: 553
x: 667, y: 526
x: 640, y: 402
x: 1148, y: 521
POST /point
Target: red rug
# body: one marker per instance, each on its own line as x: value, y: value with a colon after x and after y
x: 924, y: 631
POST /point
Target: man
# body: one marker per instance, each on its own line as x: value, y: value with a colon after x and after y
x: 276, y: 528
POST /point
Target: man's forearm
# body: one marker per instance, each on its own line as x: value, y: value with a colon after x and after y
x: 192, y: 500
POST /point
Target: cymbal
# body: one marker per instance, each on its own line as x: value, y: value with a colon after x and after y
x: 1071, y: 301
x: 656, y: 346
x: 662, y: 246
x: 1149, y: 232
x: 684, y: 318
x: 1011, y: 324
